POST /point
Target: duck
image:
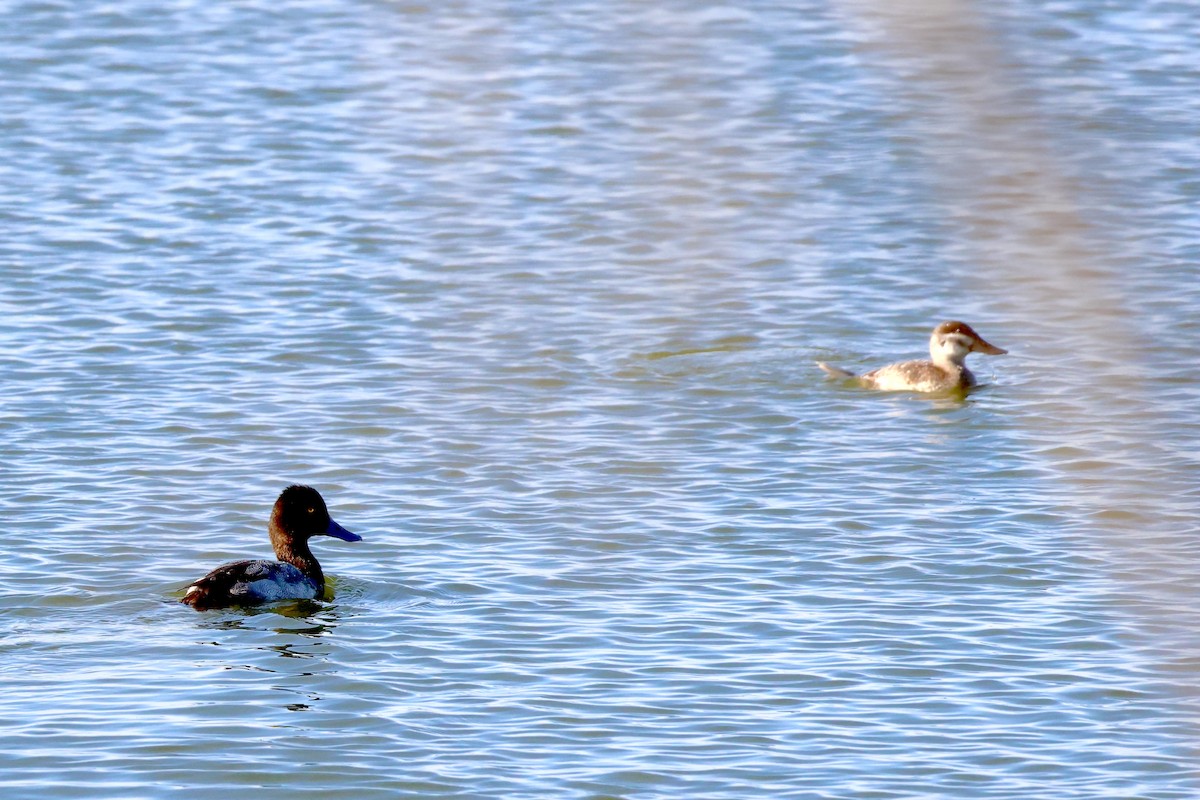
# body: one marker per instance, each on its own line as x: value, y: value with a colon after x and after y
x: 299, y: 514
x: 949, y: 345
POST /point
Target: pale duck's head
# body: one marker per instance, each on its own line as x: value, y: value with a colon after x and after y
x: 952, y: 341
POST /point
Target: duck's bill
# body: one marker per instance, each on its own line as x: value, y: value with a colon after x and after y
x: 984, y: 347
x: 338, y: 532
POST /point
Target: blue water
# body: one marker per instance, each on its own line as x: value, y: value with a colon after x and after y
x: 533, y: 294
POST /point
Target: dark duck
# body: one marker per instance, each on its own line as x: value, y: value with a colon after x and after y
x: 299, y: 515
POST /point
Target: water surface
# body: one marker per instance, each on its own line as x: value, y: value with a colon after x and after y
x: 533, y: 294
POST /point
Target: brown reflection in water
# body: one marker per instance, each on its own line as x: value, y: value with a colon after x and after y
x: 1046, y: 261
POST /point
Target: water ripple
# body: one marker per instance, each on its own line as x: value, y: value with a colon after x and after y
x: 534, y: 296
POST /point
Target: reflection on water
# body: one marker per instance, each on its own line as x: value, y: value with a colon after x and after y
x: 1030, y: 223
x: 311, y: 618
x: 536, y: 293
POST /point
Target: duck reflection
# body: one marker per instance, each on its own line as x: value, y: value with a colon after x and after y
x: 304, y: 618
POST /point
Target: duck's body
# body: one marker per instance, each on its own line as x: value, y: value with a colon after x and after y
x: 251, y: 582
x: 949, y: 346
x: 299, y: 514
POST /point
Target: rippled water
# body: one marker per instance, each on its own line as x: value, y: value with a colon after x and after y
x: 532, y: 293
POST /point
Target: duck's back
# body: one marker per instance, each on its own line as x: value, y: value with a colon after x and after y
x: 250, y: 582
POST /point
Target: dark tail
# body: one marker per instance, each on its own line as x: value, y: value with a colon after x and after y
x: 196, y: 597
x: 836, y: 372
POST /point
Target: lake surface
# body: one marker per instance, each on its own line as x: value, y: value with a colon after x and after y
x: 533, y: 293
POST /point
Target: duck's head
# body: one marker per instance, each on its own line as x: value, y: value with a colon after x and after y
x: 952, y: 341
x: 300, y: 514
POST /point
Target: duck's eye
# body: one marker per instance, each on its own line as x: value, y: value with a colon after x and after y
x: 312, y: 511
